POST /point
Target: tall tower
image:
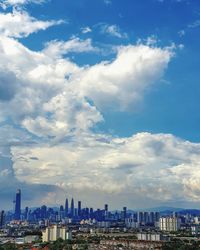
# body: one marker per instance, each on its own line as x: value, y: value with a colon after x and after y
x: 106, y: 207
x: 72, y: 208
x: 79, y: 208
x: 124, y: 213
x: 106, y: 211
x: 18, y: 205
x: 66, y: 207
x: 1, y: 218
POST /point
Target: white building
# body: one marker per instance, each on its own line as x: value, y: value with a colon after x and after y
x: 169, y: 224
x: 149, y: 236
x: 196, y: 220
x: 54, y: 232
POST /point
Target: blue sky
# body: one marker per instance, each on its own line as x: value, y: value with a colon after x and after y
x: 100, y: 97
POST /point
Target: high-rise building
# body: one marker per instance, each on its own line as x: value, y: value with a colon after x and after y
x: 72, y: 208
x: 140, y: 217
x: 106, y: 211
x: 157, y: 216
x: 62, y: 212
x: 169, y: 224
x: 106, y: 207
x: 146, y: 218
x: 79, y: 208
x: 2, y: 218
x: 26, y: 213
x: 66, y: 207
x: 124, y: 212
x: 18, y: 205
x: 54, y: 232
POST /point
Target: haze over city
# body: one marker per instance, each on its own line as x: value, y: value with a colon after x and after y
x: 99, y: 100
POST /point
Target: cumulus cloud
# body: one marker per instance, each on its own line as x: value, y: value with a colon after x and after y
x: 19, y: 24
x: 6, y: 3
x: 61, y: 102
x: 121, y: 84
x: 145, y: 163
x: 8, y: 85
x: 57, y: 94
x: 76, y: 45
x: 45, y: 97
x: 53, y: 105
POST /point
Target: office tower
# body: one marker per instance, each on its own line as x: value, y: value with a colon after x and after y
x: 157, y: 216
x: 87, y: 211
x: 66, y: 207
x: 152, y: 217
x: 62, y: 212
x: 18, y: 205
x: 124, y: 212
x: 43, y: 212
x: 146, y: 218
x: 106, y: 207
x: 140, y: 217
x: 1, y: 218
x: 79, y: 208
x: 72, y: 208
x: 106, y: 211
x: 26, y: 213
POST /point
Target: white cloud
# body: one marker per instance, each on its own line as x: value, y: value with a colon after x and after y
x: 69, y: 114
x: 145, y: 164
x: 58, y: 100
x: 6, y: 3
x: 75, y: 94
x: 20, y: 24
x: 47, y: 95
x: 194, y: 24
x: 181, y: 33
x: 76, y: 45
x: 113, y: 30
x: 121, y: 84
x: 86, y: 30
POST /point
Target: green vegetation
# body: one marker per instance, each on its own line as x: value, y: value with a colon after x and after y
x: 67, y: 244
x: 181, y: 245
x: 8, y: 246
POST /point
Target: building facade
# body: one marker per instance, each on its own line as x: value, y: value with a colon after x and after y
x: 169, y: 224
x: 54, y: 232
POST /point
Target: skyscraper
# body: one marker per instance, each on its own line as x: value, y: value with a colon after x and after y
x: 26, y: 213
x: 106, y: 211
x: 1, y: 218
x: 18, y: 205
x: 66, y: 207
x: 124, y: 212
x: 72, y: 208
x: 106, y: 207
x: 79, y: 208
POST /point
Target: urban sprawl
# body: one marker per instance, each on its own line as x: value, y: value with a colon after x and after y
x: 72, y: 226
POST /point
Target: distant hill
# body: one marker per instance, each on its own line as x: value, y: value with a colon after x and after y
x: 168, y: 210
x: 161, y: 209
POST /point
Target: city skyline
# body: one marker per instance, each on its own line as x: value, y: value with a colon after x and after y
x: 71, y: 206
x: 100, y: 100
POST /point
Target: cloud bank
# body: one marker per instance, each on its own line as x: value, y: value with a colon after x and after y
x: 50, y: 105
